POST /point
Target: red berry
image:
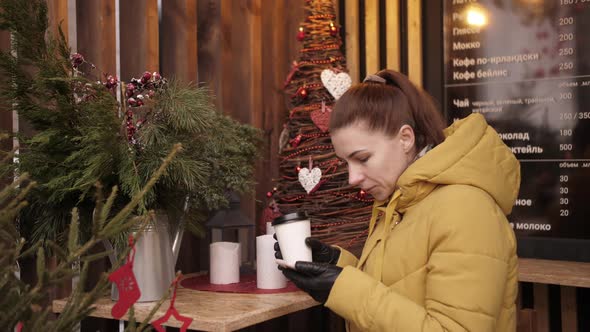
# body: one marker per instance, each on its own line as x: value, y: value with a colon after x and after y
x: 146, y: 77
x: 77, y: 59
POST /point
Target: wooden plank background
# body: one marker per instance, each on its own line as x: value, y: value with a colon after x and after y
x: 243, y: 49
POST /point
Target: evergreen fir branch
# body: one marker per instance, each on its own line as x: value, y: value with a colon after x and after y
x: 186, y: 108
x: 126, y: 211
x: 95, y: 257
x: 97, y: 222
x: 56, y: 250
x: 40, y: 268
x: 73, y: 235
x: 23, y: 303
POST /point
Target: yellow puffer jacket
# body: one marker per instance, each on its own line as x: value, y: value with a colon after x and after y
x: 441, y: 255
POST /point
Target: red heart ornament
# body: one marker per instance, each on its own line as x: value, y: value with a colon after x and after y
x: 321, y: 118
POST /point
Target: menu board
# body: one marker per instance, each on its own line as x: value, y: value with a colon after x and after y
x: 525, y: 66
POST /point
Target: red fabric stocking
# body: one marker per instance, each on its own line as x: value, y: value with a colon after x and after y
x: 126, y: 283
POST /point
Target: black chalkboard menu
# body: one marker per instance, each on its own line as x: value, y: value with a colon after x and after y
x: 525, y: 65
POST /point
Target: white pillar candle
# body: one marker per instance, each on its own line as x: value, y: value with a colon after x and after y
x: 268, y: 276
x: 224, y: 263
x: 269, y: 229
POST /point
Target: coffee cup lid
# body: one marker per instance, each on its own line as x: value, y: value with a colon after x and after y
x: 289, y: 217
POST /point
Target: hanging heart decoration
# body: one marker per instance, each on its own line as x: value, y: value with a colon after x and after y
x: 321, y: 117
x: 336, y: 83
x: 310, y: 179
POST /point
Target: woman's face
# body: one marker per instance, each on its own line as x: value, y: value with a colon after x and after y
x: 375, y: 160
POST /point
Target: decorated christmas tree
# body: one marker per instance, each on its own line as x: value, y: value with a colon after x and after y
x: 312, y: 178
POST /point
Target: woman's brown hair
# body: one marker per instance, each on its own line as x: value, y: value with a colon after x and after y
x: 386, y: 101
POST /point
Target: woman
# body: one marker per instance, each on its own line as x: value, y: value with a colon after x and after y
x: 440, y: 255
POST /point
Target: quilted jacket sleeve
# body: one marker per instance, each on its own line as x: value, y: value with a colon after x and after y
x: 469, y: 246
x: 346, y: 258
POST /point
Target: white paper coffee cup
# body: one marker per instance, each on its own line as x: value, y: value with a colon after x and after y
x: 292, y: 229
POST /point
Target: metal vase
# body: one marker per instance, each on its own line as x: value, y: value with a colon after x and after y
x: 155, y: 258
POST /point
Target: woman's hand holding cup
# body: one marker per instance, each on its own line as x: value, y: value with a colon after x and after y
x: 321, y: 252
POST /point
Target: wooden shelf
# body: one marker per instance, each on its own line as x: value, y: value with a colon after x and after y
x: 227, y: 311
x: 576, y: 274
x: 214, y: 311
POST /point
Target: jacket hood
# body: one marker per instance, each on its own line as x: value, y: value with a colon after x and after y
x: 471, y: 154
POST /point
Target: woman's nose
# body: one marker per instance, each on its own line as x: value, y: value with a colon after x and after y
x: 355, y: 177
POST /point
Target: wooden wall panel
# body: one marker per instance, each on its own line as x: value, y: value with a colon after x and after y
x: 179, y: 57
x: 273, y: 107
x: 280, y: 21
x: 351, y: 8
x: 392, y: 34
x: 139, y: 37
x: 254, y: 19
x: 292, y: 16
x: 57, y: 11
x: 226, y: 53
x: 372, y: 32
x: 414, y: 11
x: 96, y: 28
x: 209, y: 46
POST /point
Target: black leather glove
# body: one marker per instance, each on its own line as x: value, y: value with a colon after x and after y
x: 320, y: 252
x: 316, y: 279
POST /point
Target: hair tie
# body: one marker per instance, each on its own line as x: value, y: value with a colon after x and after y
x: 375, y: 78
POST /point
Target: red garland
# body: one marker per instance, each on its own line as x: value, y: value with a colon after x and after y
x: 316, y: 147
x: 339, y: 223
x: 319, y: 48
x: 357, y: 197
x: 292, y: 199
x: 294, y: 69
x: 320, y: 16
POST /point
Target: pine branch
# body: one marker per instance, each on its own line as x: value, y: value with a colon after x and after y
x: 23, y: 303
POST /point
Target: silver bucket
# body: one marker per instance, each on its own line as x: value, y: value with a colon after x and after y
x: 154, y: 261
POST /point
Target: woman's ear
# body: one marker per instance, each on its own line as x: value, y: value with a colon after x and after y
x: 407, y: 138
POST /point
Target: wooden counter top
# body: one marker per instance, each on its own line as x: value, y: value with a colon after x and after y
x: 214, y: 311
x: 227, y: 311
x: 564, y: 273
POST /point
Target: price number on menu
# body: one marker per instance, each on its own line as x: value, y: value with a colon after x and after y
x: 571, y: 2
x: 563, y: 199
x: 574, y: 116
